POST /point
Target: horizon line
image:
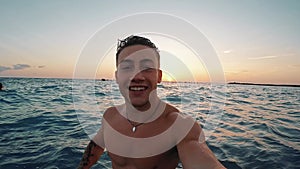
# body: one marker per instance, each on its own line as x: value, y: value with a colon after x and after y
x: 112, y: 79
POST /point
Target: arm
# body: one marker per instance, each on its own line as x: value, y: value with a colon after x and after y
x: 195, y: 154
x: 91, y: 155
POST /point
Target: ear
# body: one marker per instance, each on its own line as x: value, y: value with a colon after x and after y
x: 116, y: 75
x: 159, y: 75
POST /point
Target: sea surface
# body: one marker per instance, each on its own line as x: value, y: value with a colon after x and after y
x: 47, y: 123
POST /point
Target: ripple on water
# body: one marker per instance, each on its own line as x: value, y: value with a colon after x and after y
x: 40, y: 129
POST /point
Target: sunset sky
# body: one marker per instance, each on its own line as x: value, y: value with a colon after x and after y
x: 256, y: 41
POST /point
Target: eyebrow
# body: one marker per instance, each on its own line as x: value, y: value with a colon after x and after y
x: 129, y: 61
x: 126, y: 61
x: 146, y: 60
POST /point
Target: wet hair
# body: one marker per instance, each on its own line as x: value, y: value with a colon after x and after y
x: 134, y: 40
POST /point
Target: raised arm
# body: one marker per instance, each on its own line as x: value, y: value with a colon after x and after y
x: 195, y: 154
x: 91, y: 155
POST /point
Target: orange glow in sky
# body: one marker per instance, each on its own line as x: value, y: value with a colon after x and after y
x: 255, y: 42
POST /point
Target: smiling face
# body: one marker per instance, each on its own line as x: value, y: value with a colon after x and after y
x: 138, y: 74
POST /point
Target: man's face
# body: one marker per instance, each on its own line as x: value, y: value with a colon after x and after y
x: 138, y: 74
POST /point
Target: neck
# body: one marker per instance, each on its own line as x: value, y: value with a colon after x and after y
x: 149, y: 107
x: 156, y: 108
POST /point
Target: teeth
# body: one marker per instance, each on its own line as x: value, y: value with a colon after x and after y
x: 137, y: 88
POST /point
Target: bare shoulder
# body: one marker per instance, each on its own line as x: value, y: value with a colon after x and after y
x: 195, y: 131
x: 194, y: 134
x: 171, y: 112
x: 110, y: 113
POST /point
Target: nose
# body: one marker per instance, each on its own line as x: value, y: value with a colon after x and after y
x: 138, y: 77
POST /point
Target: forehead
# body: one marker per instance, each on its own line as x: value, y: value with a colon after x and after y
x: 137, y: 53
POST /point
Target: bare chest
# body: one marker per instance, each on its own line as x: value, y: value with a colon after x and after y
x: 167, y: 160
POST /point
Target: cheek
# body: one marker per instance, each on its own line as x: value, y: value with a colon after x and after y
x: 122, y: 79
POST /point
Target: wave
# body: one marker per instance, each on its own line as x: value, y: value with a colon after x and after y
x: 40, y: 127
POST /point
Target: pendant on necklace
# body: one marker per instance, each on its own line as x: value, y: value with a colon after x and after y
x: 133, y: 129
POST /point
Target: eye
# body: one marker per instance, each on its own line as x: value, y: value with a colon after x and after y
x: 148, y: 66
x: 148, y: 69
x: 125, y: 68
x: 126, y: 65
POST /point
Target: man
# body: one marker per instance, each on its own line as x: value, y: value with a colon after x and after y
x: 145, y: 132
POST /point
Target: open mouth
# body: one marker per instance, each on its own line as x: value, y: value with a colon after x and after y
x: 137, y: 88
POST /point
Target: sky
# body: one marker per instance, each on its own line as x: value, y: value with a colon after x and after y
x: 255, y: 41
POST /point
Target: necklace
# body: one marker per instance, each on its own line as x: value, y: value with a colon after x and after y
x: 134, y: 126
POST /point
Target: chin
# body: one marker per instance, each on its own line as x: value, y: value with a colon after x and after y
x: 140, y: 104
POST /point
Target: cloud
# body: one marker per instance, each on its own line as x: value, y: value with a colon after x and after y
x: 14, y: 67
x: 227, y: 51
x: 42, y: 66
x: 262, y: 57
x: 237, y: 72
x: 295, y: 66
x: 20, y: 66
x: 4, y: 68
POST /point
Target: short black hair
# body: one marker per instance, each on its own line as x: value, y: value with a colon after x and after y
x: 134, y: 40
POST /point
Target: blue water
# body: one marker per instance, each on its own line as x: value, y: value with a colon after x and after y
x: 45, y: 124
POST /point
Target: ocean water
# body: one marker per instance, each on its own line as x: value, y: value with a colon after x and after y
x: 46, y: 123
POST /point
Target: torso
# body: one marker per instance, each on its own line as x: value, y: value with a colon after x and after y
x: 165, y: 160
